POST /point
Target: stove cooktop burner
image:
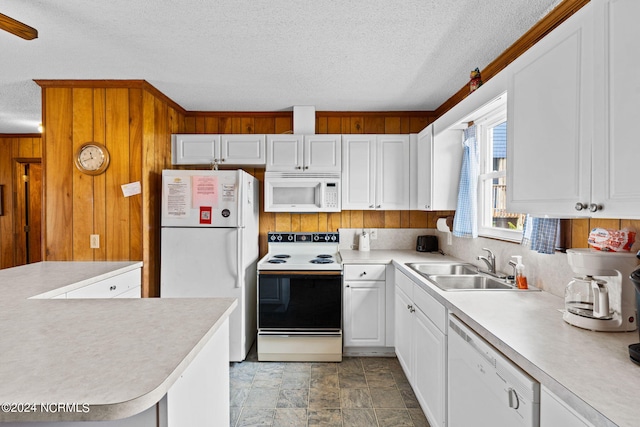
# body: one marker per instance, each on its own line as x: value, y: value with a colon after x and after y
x: 276, y: 261
x: 324, y: 256
x: 283, y: 256
x: 321, y: 261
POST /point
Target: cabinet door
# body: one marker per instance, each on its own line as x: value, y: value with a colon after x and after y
x: 403, y: 331
x: 429, y: 371
x: 549, y: 121
x: 364, y: 313
x: 323, y: 153
x: 242, y: 149
x: 392, y: 172
x: 284, y: 153
x: 187, y: 149
x: 358, y: 177
x: 616, y: 150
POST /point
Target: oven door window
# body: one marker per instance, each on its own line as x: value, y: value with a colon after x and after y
x: 294, y: 302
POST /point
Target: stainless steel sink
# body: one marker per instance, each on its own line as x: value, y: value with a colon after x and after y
x: 469, y: 283
x: 430, y: 269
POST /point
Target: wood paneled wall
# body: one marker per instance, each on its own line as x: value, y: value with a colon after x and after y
x: 13, y: 148
x: 326, y: 122
x: 135, y: 123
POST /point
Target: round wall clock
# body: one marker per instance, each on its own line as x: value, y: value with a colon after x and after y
x: 92, y: 158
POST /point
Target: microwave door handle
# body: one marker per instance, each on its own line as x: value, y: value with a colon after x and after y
x: 239, y: 259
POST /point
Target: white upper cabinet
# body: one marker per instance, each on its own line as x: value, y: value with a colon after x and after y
x: 200, y: 149
x: 435, y: 169
x: 573, y: 101
x: 304, y: 153
x: 375, y: 172
x: 207, y: 149
x: 617, y: 103
x: 549, y: 116
x: 242, y: 149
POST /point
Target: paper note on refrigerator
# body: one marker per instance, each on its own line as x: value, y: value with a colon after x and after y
x: 177, y: 193
x: 205, y: 191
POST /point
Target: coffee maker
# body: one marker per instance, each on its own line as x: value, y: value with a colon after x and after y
x: 602, y: 296
x: 634, y: 349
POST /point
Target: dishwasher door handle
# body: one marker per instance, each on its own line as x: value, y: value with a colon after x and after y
x: 514, y: 401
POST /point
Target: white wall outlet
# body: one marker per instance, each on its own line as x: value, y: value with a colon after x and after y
x: 373, y: 234
x: 94, y: 241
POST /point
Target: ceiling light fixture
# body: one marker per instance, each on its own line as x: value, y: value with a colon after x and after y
x: 17, y: 28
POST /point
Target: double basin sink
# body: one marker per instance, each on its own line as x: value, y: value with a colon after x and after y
x: 459, y: 277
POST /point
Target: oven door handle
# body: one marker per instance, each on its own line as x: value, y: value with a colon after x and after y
x: 306, y: 334
x: 300, y: 272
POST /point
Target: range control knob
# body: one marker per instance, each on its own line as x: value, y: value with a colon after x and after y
x: 290, y: 237
x: 279, y: 237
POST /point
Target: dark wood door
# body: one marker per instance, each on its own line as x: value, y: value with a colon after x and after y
x: 28, y: 212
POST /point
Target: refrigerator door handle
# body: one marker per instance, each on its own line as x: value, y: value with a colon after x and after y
x: 239, y: 259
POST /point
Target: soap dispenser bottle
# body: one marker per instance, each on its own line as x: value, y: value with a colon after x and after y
x: 521, y: 279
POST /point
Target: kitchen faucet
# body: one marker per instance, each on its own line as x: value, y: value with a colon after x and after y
x: 490, y: 260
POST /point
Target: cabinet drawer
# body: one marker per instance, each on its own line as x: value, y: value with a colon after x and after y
x: 430, y: 307
x: 404, y: 283
x: 364, y: 272
x: 110, y: 287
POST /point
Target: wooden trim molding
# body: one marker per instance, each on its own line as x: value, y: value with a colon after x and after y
x: 543, y: 27
x: 20, y: 135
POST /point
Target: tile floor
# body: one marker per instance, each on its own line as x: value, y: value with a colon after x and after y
x: 359, y: 391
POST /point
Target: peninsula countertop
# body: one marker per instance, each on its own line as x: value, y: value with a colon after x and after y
x: 118, y: 356
x: 591, y: 371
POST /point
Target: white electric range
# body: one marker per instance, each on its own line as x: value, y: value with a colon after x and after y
x: 300, y: 298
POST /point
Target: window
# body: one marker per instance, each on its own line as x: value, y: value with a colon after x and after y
x: 493, y: 218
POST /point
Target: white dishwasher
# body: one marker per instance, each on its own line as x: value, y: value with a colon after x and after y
x: 485, y: 388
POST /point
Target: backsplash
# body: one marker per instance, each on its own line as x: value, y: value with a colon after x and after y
x: 388, y: 238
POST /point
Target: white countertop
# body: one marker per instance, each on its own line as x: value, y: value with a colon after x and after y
x: 120, y: 356
x: 591, y: 371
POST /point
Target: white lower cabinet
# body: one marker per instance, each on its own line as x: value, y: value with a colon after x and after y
x: 364, y: 310
x: 554, y: 412
x: 421, y: 346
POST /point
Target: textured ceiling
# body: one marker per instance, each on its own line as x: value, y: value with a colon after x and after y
x: 260, y: 55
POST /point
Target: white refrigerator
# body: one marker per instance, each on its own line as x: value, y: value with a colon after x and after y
x: 209, y: 244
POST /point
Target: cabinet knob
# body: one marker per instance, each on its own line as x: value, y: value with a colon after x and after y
x: 377, y: 206
x: 427, y: 206
x: 371, y: 206
x: 112, y: 288
x: 593, y: 207
x: 306, y: 167
x: 348, y: 286
x: 412, y: 309
x: 364, y: 273
x: 222, y: 160
x: 580, y: 206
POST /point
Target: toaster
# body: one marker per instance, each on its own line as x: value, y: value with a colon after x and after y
x: 427, y: 244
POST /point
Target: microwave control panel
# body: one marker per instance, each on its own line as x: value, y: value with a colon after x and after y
x: 331, y: 195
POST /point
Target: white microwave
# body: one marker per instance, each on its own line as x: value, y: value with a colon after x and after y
x: 302, y: 192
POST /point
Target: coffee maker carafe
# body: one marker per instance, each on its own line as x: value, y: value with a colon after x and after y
x: 602, y: 297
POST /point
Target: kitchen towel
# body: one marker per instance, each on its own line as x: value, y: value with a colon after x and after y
x: 465, y: 222
x: 541, y: 234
